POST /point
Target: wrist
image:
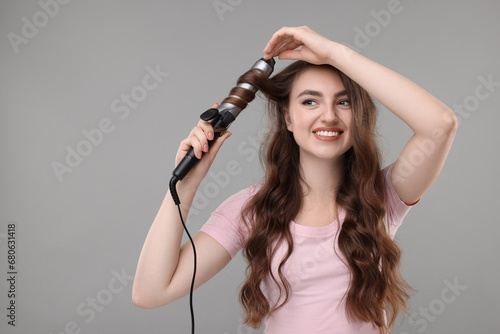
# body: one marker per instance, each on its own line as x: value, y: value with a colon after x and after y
x: 340, y: 55
x: 186, y: 188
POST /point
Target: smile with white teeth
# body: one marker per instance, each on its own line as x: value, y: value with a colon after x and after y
x: 327, y: 133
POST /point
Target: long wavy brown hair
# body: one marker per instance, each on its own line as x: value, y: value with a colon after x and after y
x: 372, y: 256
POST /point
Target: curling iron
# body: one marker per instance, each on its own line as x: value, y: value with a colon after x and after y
x: 221, y: 118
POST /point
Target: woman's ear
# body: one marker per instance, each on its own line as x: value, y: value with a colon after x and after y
x: 287, y: 120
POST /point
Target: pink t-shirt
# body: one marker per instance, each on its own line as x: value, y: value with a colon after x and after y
x: 317, y: 276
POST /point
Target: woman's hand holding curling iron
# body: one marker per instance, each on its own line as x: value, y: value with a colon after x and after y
x: 198, y: 140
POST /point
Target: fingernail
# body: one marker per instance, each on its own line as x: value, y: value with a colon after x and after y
x: 205, y: 148
x: 198, y: 155
x: 210, y: 136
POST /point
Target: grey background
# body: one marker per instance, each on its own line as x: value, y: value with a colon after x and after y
x: 74, y: 235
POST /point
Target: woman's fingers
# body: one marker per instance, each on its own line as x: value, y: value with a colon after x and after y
x: 199, y: 141
x: 188, y: 143
x: 207, y: 127
x: 278, y: 46
x: 198, y: 138
x: 283, y: 39
x: 314, y: 49
x: 217, y: 144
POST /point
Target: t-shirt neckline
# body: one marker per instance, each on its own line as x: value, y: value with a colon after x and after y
x: 320, y: 231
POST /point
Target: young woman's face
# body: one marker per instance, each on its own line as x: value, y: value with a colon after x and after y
x: 320, y: 114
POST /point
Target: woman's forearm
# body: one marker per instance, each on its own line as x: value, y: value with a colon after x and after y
x: 160, y: 252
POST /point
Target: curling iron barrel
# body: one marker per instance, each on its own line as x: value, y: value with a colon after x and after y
x: 225, y: 114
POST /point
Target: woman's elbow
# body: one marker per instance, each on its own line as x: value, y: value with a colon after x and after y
x: 144, y: 301
x: 140, y: 302
x: 450, y: 122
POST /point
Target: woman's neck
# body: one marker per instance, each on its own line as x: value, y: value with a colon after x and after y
x: 322, y: 177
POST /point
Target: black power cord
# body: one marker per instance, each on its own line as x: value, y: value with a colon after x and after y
x: 173, y: 192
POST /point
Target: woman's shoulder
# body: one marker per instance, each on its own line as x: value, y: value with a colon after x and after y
x: 386, y: 170
x: 388, y: 188
x: 390, y: 192
x: 226, y: 224
x: 235, y: 202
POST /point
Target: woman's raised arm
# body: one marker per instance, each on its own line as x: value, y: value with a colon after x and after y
x: 165, y: 269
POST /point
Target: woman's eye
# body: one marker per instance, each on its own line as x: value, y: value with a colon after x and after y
x: 345, y: 102
x: 309, y: 102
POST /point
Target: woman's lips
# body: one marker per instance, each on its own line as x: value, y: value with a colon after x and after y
x: 327, y: 134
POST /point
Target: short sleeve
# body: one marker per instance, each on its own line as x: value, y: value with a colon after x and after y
x: 396, y: 208
x: 225, y: 224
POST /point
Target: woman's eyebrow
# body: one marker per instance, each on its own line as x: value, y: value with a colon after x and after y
x: 316, y: 93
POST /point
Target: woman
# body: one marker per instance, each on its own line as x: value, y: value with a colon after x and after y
x: 318, y: 231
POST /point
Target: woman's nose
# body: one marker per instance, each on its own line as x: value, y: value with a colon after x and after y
x: 329, y: 114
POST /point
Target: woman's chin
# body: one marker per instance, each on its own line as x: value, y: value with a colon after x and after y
x: 326, y: 156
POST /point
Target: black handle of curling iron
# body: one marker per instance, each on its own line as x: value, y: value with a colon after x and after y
x: 220, y: 124
x: 187, y: 163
